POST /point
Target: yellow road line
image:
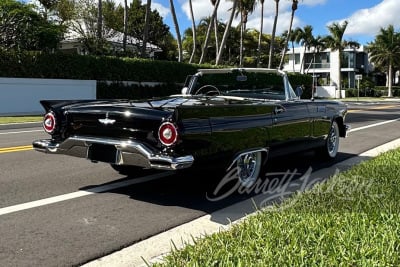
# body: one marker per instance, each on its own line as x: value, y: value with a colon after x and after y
x: 15, y: 149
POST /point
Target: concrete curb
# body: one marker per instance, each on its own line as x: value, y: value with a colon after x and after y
x: 153, y: 249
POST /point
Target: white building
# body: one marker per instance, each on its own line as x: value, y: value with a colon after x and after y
x: 324, y: 65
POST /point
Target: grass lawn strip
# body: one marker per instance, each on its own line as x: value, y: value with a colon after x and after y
x: 6, y: 120
x: 352, y: 219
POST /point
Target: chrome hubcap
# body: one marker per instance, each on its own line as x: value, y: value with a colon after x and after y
x: 332, y: 140
x: 247, y: 166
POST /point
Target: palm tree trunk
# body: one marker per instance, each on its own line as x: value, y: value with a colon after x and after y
x: 216, y: 35
x: 294, y: 8
x: 271, y: 47
x: 339, y: 82
x: 193, y: 31
x: 260, y: 35
x: 178, y: 34
x: 125, y: 25
x: 390, y: 80
x: 146, y: 28
x: 210, y: 26
x: 226, y: 33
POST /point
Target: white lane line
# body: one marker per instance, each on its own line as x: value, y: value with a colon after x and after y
x: 81, y: 193
x: 373, y: 125
x: 31, y: 131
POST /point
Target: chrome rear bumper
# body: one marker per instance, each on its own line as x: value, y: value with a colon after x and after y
x: 114, y: 151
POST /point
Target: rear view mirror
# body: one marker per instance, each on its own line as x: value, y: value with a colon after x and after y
x: 241, y: 78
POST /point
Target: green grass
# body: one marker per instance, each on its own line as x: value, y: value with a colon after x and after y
x: 20, y: 119
x: 353, y: 219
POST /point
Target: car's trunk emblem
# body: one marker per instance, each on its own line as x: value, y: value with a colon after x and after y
x: 106, y: 121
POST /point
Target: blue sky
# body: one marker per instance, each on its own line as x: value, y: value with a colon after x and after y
x: 365, y: 16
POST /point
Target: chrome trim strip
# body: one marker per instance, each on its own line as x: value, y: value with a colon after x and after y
x: 128, y: 152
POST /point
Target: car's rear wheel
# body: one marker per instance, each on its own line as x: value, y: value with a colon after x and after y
x: 248, y: 168
x: 331, y: 146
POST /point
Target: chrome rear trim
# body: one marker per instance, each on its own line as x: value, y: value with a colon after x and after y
x: 128, y: 152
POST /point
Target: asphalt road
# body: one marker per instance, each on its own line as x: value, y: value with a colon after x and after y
x: 53, y: 213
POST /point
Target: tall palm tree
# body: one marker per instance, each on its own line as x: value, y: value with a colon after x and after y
x: 99, y: 19
x: 214, y: 2
x: 146, y: 27
x: 385, y: 51
x: 178, y: 34
x: 318, y: 44
x: 226, y: 33
x: 294, y: 8
x: 210, y: 26
x: 260, y: 34
x: 244, y: 8
x: 304, y: 37
x: 336, y: 43
x: 125, y: 33
x: 193, y: 31
x: 271, y: 46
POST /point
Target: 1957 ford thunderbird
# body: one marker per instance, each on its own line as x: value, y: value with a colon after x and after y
x: 233, y: 118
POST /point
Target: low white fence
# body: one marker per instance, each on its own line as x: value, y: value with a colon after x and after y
x: 329, y: 92
x: 20, y: 96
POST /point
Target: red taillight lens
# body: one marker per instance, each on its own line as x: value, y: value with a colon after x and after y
x: 167, y: 134
x: 49, y: 123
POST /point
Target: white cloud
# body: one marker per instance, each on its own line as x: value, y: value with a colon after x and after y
x: 369, y: 21
x: 162, y: 10
x: 313, y: 2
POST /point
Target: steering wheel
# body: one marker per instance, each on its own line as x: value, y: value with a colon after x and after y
x: 211, y: 90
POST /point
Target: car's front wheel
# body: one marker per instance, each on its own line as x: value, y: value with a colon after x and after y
x: 248, y: 168
x: 331, y: 146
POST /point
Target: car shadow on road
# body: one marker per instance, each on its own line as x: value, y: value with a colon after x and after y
x: 201, y: 190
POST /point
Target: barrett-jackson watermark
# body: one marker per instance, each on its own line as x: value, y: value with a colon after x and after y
x: 279, y: 185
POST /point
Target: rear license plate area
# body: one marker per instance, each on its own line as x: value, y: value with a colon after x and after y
x: 103, y: 153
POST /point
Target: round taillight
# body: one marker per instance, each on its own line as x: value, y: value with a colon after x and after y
x: 49, y: 123
x: 167, y: 134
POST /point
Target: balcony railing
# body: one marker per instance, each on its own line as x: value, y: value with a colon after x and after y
x: 318, y: 65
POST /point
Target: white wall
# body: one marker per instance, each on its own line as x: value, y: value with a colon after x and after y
x: 20, y: 96
x: 329, y: 92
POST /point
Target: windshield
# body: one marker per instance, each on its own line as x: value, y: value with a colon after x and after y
x: 241, y: 84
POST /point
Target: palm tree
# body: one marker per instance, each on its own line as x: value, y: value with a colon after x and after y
x: 260, y: 35
x: 146, y: 27
x: 271, y: 47
x: 226, y: 32
x: 210, y: 26
x: 304, y: 37
x: 243, y: 9
x: 99, y: 19
x: 318, y: 44
x: 125, y: 25
x: 178, y: 34
x: 336, y: 43
x: 214, y: 2
x: 385, y: 51
x: 294, y: 8
x: 193, y: 31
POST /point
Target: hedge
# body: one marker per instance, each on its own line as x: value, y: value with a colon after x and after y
x: 377, y: 91
x: 111, y: 69
x: 72, y: 66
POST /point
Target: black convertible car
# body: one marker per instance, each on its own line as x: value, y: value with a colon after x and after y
x: 232, y: 118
